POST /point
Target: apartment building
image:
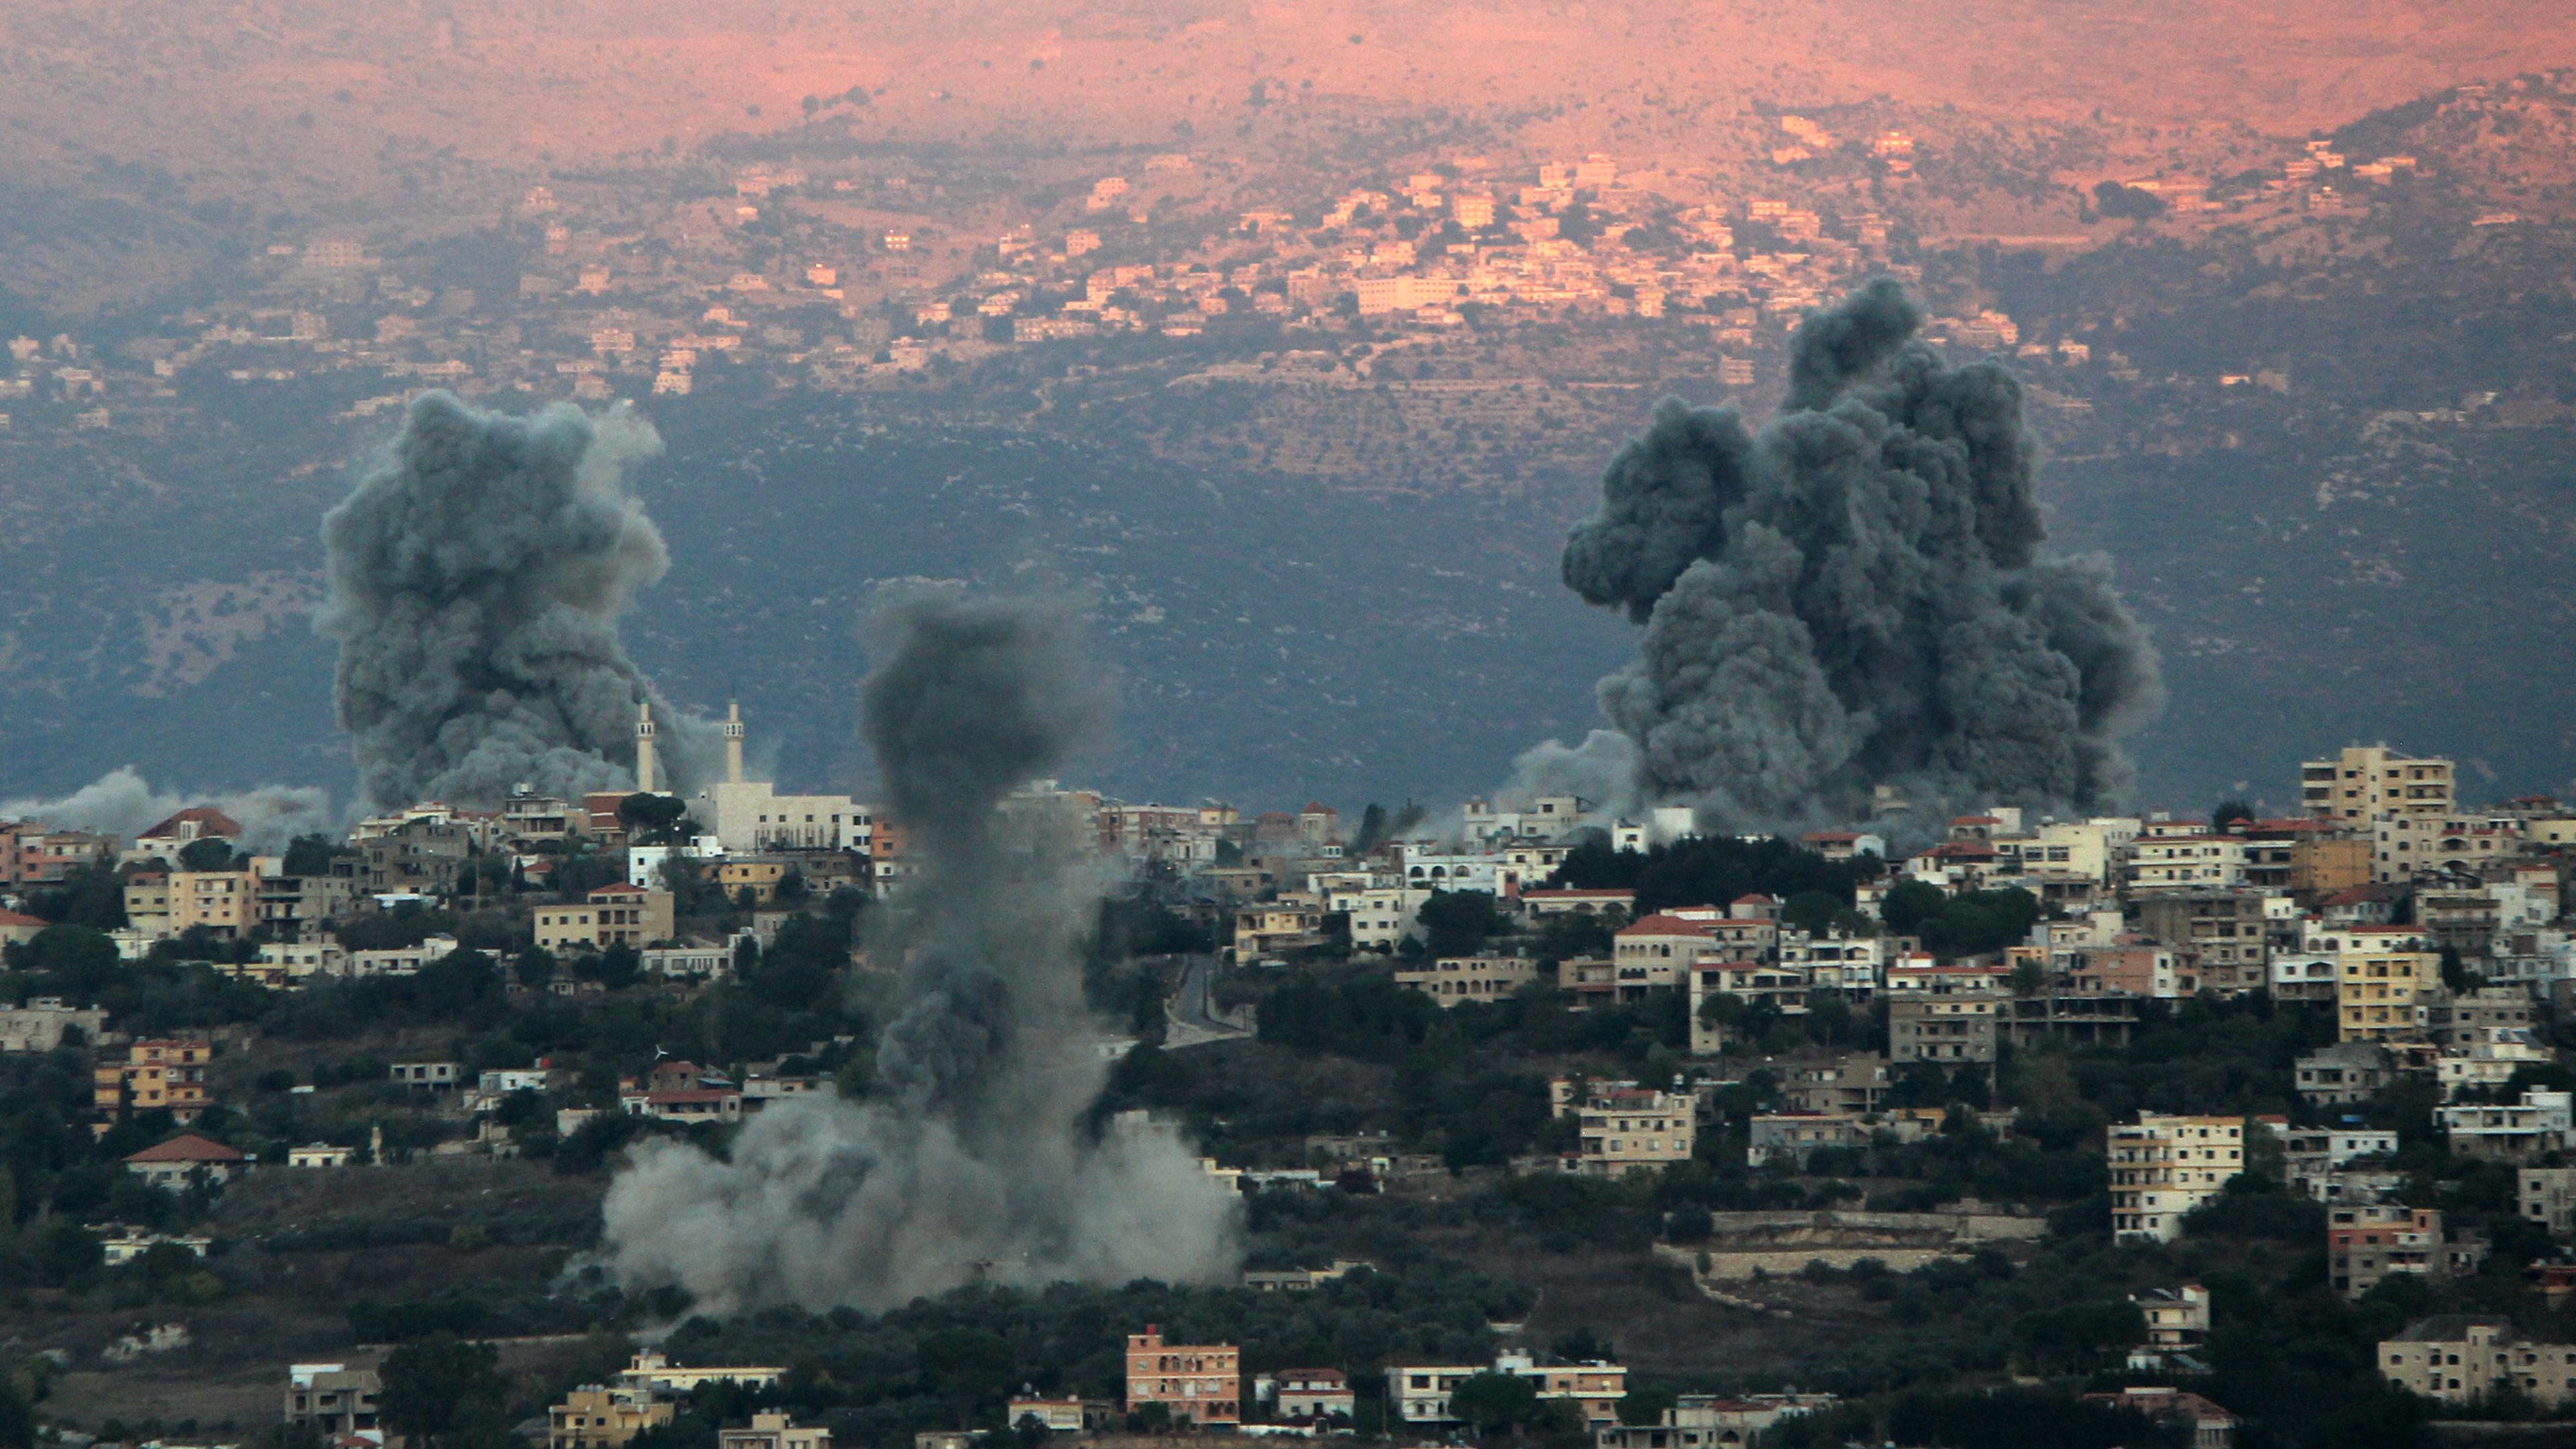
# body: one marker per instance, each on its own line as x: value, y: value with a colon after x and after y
x: 331, y: 1399
x: 2460, y: 1357
x: 592, y: 1417
x: 1594, y: 1389
x: 162, y: 1074
x: 1452, y: 980
x: 2163, y: 1166
x: 2547, y: 1196
x: 1622, y: 1127
x: 2508, y: 1131
x: 613, y: 915
x: 1951, y: 1028
x: 2367, y: 782
x: 1200, y: 1384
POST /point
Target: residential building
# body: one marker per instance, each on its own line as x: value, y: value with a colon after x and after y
x: 1791, y: 1136
x: 2366, y: 1242
x: 224, y: 903
x: 593, y: 1417
x: 2508, y: 1132
x: 1452, y: 980
x: 2459, y: 1358
x: 774, y: 1431
x: 2184, y: 862
x: 1747, y: 981
x: 1622, y: 1127
x: 1568, y: 901
x: 2548, y: 1197
x: 2481, y: 1065
x: 2228, y: 934
x: 613, y: 915
x: 179, y: 1161
x: 2309, y: 1154
x: 1594, y: 1389
x: 1855, y: 1083
x: 2176, y: 1318
x: 1291, y: 923
x: 2211, y: 1426
x: 1952, y: 1028
x: 653, y: 1371
x: 1201, y: 1384
x: 2467, y: 1017
x: 2163, y: 1166
x: 1701, y: 1421
x: 42, y: 1024
x: 690, y: 962
x: 427, y: 1076
x: 320, y: 1154
x: 2377, y: 991
x: 1314, y: 1393
x: 2369, y: 782
x: 333, y: 1400
x: 1060, y: 1416
x: 161, y: 1074
x: 2345, y: 1073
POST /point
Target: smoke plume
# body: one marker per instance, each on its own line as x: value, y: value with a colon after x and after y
x: 476, y: 576
x: 972, y: 1158
x: 1853, y: 596
x: 121, y: 802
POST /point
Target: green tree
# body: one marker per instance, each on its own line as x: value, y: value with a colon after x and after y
x: 1492, y: 1403
x: 651, y: 819
x: 310, y: 855
x: 1910, y: 903
x: 76, y: 961
x: 444, y: 1391
x: 1457, y: 922
x: 208, y: 853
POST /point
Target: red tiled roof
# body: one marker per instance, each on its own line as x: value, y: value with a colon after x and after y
x: 1660, y: 924
x: 189, y: 1147
x: 208, y: 819
x: 1756, y: 897
x: 12, y: 918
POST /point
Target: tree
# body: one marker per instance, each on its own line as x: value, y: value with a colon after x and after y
x: 1909, y: 903
x: 208, y: 853
x: 650, y: 819
x: 77, y: 962
x: 310, y: 855
x: 1457, y: 922
x: 445, y: 1391
x: 2127, y: 203
x: 1492, y: 1403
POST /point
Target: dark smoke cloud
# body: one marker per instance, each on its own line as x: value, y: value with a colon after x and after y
x: 1852, y: 596
x: 476, y: 576
x: 973, y: 1158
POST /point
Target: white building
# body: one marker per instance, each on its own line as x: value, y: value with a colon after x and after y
x: 2162, y: 1167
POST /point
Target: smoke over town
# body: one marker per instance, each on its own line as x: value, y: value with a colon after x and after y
x: 476, y: 576
x: 973, y: 1157
x: 122, y: 802
x: 1851, y: 597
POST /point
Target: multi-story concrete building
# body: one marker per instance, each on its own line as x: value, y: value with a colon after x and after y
x: 2367, y: 782
x: 161, y: 1074
x: 1953, y: 1029
x: 2366, y: 1242
x: 2508, y: 1131
x: 592, y: 1417
x: 2459, y: 1357
x: 2548, y: 1197
x: 1622, y: 1127
x: 41, y: 1024
x: 2162, y: 1167
x: 774, y: 1431
x: 1594, y: 1389
x: 613, y: 915
x: 1453, y: 980
x: 1201, y: 1384
x: 331, y: 1399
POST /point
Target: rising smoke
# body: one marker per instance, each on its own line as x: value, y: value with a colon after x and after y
x: 973, y: 1159
x: 1851, y: 597
x: 121, y: 802
x: 476, y: 576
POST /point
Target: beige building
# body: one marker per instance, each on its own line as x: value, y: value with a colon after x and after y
x: 2460, y: 1357
x: 2162, y: 1167
x: 1454, y: 979
x: 613, y: 915
x: 161, y: 905
x: 2378, y: 992
x: 774, y: 1431
x: 2548, y: 1197
x: 1954, y: 1029
x: 1200, y: 1384
x: 2367, y: 782
x: 332, y: 1399
x: 592, y: 1417
x: 1622, y: 1127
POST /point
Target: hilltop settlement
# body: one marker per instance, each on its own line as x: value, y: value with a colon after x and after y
x: 1547, y: 1123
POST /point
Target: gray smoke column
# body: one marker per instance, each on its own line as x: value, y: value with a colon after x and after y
x: 972, y: 1159
x: 476, y: 575
x: 121, y: 802
x: 1853, y: 596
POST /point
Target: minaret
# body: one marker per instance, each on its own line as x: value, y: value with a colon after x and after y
x: 733, y: 743
x: 644, y: 771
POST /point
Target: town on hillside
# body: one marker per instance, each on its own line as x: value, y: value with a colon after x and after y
x: 1546, y: 1122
